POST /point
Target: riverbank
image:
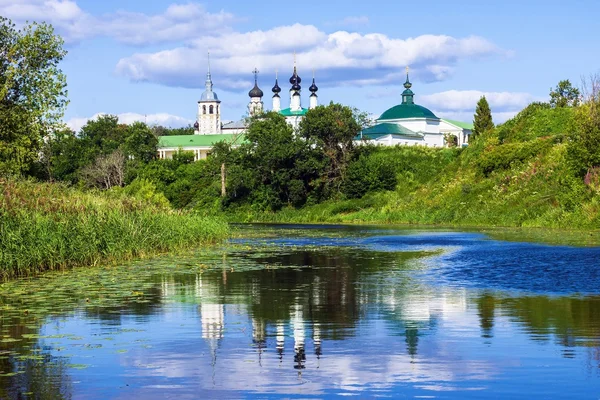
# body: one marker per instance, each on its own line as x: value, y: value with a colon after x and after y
x: 530, y: 172
x: 47, y: 226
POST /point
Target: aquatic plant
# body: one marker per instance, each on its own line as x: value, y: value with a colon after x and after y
x: 51, y: 226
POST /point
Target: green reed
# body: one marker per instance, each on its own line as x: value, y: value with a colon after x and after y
x: 50, y: 226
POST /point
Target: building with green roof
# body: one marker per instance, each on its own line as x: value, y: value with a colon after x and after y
x: 411, y: 124
x: 200, y: 145
x: 208, y: 128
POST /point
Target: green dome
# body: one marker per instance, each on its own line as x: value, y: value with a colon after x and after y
x: 402, y: 111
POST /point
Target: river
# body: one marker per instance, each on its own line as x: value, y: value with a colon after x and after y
x: 313, y: 312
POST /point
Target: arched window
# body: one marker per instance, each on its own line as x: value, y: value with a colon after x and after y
x: 217, y: 109
x: 211, y: 109
x: 204, y: 109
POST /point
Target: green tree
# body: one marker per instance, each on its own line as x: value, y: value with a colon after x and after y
x: 32, y: 92
x: 564, y: 95
x: 140, y: 143
x: 482, y: 121
x: 270, y: 169
x: 331, y: 131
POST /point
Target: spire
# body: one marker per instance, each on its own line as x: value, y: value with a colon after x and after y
x: 208, y: 94
x: 313, y: 88
x: 276, y: 89
x: 407, y: 95
x: 407, y: 84
x: 295, y: 80
x: 255, y: 92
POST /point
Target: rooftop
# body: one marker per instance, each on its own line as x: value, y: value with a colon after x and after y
x: 184, y: 141
x: 404, y: 111
x: 289, y: 113
x: 387, y: 128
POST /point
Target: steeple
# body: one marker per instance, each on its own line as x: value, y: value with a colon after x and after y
x: 255, y: 106
x: 276, y: 98
x: 255, y: 92
x: 209, y: 109
x: 208, y: 94
x: 295, y: 100
x: 313, y: 93
x: 407, y: 94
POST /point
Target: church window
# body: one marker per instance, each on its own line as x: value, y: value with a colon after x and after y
x: 217, y: 109
x: 203, y: 109
x: 211, y: 109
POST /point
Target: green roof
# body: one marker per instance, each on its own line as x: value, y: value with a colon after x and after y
x: 197, y: 140
x: 388, y: 128
x: 463, y: 125
x: 289, y: 113
x: 402, y: 111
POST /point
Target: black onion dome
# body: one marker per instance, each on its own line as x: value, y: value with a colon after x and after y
x: 276, y: 88
x: 255, y: 92
x: 313, y: 88
x: 296, y: 87
x: 196, y: 125
x: 295, y: 78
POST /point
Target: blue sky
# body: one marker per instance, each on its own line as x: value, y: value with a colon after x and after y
x: 147, y: 59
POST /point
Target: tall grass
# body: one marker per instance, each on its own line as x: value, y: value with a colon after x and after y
x: 50, y: 226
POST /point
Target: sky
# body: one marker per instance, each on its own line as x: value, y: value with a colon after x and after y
x: 147, y: 60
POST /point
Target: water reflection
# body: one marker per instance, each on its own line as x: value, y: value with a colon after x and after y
x: 365, y: 314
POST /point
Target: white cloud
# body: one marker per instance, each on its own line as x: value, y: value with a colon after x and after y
x: 162, y: 119
x: 178, y: 22
x: 339, y: 58
x: 460, y: 100
x: 460, y: 104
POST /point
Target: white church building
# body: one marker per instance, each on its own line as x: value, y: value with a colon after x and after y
x: 410, y: 124
x: 209, y: 128
x: 406, y: 124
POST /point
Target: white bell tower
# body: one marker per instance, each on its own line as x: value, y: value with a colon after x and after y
x: 209, y: 109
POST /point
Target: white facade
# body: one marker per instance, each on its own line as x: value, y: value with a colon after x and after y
x: 409, y: 124
x: 209, y: 118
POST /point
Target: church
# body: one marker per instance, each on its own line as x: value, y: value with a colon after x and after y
x: 409, y: 124
x: 209, y: 129
x: 406, y: 124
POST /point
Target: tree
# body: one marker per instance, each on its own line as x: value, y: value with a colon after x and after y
x: 140, y: 143
x: 32, y: 92
x: 106, y: 172
x: 564, y: 95
x: 483, y: 118
x: 331, y: 131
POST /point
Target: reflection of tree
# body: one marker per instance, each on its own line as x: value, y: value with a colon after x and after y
x: 26, y: 367
x: 486, y: 305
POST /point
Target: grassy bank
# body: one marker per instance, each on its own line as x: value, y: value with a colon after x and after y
x: 50, y: 226
x: 521, y: 174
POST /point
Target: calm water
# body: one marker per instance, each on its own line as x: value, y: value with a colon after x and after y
x: 313, y: 313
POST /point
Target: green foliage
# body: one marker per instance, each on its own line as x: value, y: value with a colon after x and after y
x: 330, y: 131
x: 482, y: 121
x: 564, y: 95
x: 140, y: 143
x: 50, y: 226
x: 159, y: 130
x: 72, y: 158
x: 584, y: 142
x: 507, y: 155
x: 32, y: 92
x: 369, y: 173
x: 527, y: 180
x: 537, y: 120
x: 144, y: 190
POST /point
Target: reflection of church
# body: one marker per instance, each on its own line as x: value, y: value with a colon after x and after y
x: 210, y: 129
